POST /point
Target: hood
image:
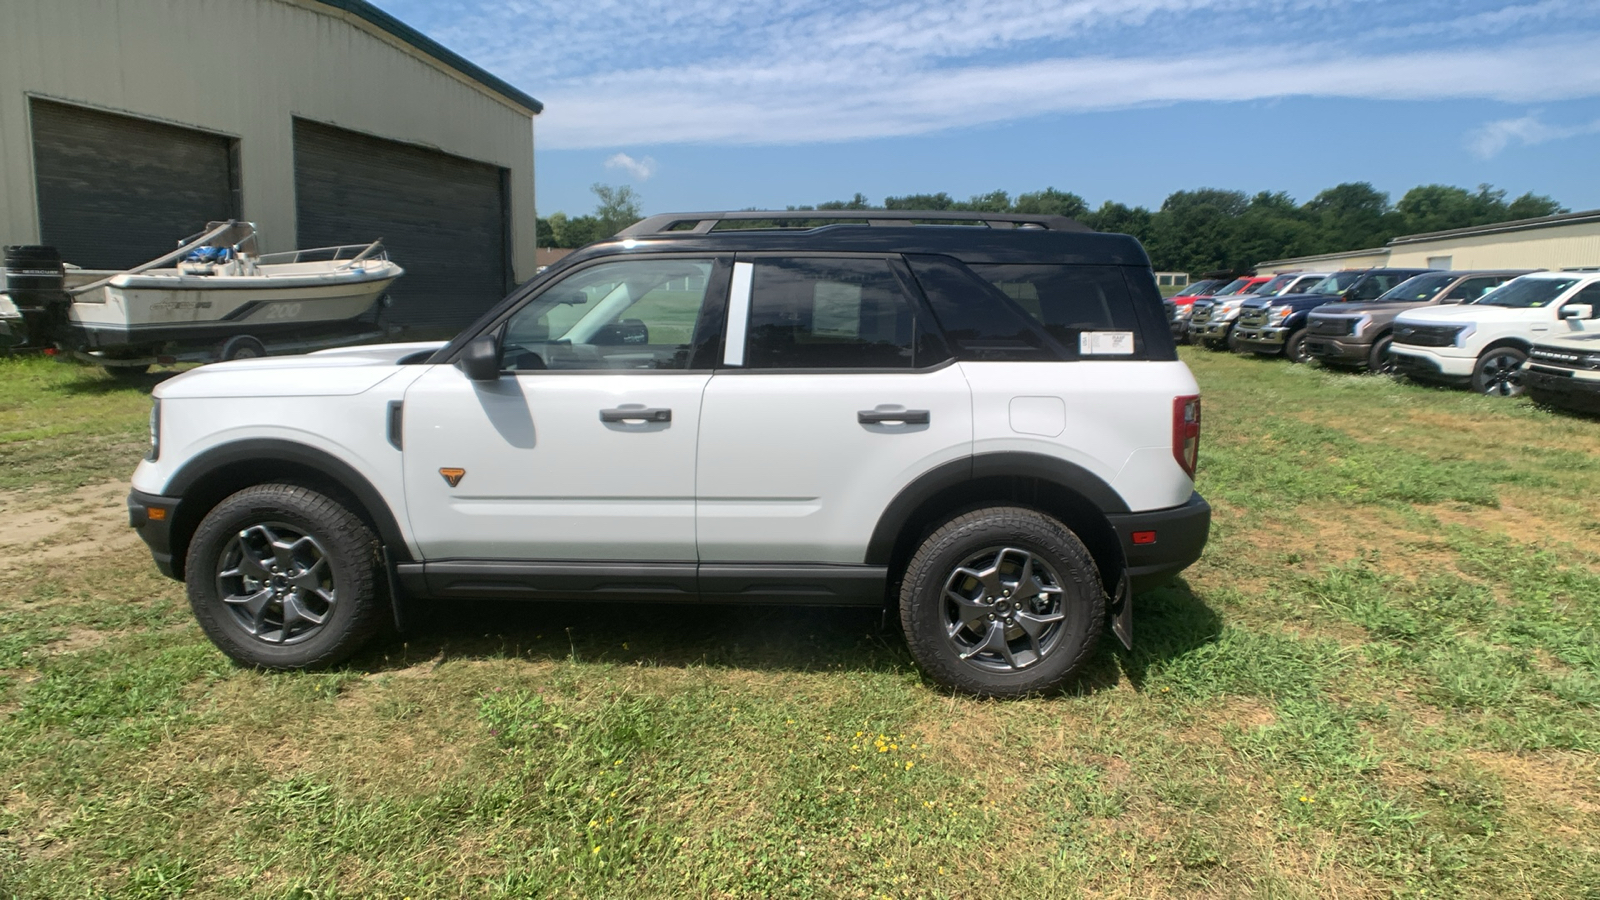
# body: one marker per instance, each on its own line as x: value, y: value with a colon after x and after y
x: 1461, y: 315
x: 328, y: 373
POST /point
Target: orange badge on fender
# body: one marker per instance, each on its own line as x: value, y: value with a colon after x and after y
x: 452, y: 477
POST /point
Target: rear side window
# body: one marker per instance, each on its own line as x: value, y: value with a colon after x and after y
x: 1086, y: 309
x: 808, y: 313
x: 981, y: 323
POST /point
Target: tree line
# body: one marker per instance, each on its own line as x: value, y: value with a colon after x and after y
x: 1194, y: 231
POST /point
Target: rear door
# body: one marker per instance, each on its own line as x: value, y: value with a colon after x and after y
x: 834, y: 392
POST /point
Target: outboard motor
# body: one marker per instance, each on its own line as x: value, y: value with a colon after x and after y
x: 35, y: 280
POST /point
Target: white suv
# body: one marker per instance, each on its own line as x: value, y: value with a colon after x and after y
x: 1485, y: 342
x: 985, y: 426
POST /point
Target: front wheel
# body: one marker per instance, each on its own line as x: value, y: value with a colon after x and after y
x: 1002, y: 602
x: 1295, y: 347
x: 1495, y: 373
x: 283, y: 577
x: 1381, y: 361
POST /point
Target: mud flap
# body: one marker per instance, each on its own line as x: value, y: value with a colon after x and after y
x: 396, y: 601
x: 1122, y: 612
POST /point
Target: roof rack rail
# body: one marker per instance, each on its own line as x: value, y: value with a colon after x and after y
x: 705, y: 222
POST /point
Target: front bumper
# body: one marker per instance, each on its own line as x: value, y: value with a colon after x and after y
x: 1429, y: 365
x: 1265, y: 339
x: 1172, y: 540
x: 152, y: 517
x: 1561, y: 387
x: 1335, y: 350
x: 1212, y: 332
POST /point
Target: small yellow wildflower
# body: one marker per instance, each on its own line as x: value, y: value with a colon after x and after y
x: 909, y: 764
x: 596, y: 848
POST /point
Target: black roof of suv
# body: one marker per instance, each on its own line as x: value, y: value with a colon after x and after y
x: 970, y: 238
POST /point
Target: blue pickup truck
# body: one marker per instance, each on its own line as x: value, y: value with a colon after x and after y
x: 1277, y: 325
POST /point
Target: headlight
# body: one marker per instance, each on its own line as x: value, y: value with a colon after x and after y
x: 1360, y: 324
x: 155, y: 431
x: 1279, y: 313
x: 1464, y: 332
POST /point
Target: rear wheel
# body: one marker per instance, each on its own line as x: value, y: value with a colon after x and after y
x: 1002, y: 602
x: 1495, y: 371
x: 283, y: 577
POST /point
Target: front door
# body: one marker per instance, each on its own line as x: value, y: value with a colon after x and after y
x: 822, y: 410
x: 584, y: 449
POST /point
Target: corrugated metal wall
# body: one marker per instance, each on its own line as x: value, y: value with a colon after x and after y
x: 245, y: 69
x: 441, y: 217
x: 1554, y: 247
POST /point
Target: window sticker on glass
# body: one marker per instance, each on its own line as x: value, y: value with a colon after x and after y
x: 1105, y: 343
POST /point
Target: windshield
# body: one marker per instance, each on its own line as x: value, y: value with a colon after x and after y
x: 1304, y: 283
x: 1337, y: 283
x: 1275, y: 286
x: 1420, y: 289
x: 1195, y: 288
x: 1255, y: 288
x: 1233, y: 286
x: 1526, y: 293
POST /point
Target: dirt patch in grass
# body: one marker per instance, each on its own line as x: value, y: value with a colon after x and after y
x: 37, y: 527
x: 1548, y: 779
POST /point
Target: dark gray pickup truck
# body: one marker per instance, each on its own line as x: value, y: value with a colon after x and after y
x: 1357, y: 335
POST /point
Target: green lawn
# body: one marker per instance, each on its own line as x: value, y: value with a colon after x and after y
x: 1382, y: 679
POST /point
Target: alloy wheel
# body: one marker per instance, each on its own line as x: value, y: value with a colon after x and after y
x: 277, y: 583
x: 1003, y: 609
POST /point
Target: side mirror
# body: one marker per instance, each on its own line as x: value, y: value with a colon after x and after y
x: 480, y: 361
x: 1577, y: 311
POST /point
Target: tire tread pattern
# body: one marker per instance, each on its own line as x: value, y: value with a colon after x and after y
x: 987, y: 527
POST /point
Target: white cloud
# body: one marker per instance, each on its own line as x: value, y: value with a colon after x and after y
x: 1489, y: 139
x: 840, y: 100
x: 617, y: 73
x: 641, y: 169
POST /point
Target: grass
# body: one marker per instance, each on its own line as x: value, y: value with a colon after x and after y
x: 1383, y: 679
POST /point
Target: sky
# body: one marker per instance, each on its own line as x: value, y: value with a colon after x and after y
x: 719, y: 104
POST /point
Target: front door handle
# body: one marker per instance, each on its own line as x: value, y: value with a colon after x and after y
x: 886, y: 416
x: 635, y: 414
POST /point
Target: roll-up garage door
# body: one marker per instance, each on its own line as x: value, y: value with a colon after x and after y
x: 116, y: 191
x: 441, y: 217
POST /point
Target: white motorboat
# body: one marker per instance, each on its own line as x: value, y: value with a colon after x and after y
x: 11, y: 330
x: 215, y: 287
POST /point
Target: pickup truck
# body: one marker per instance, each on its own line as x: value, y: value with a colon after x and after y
x: 1277, y: 325
x: 1359, y: 334
x: 1484, y: 344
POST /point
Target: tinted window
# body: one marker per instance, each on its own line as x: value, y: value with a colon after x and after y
x: 1590, y: 296
x: 639, y: 314
x: 981, y: 322
x: 828, y: 314
x: 1471, y: 289
x: 1082, y: 307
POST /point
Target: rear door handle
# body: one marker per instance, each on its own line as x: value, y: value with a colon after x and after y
x: 636, y: 414
x: 886, y: 416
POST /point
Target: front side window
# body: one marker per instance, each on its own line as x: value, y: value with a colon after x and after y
x: 1083, y: 307
x: 637, y: 314
x: 1589, y: 296
x: 809, y: 313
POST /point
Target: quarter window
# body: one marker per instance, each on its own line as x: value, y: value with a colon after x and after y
x: 809, y: 313
x: 1080, y: 306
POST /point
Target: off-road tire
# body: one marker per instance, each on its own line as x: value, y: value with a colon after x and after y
x: 350, y: 548
x: 923, y: 604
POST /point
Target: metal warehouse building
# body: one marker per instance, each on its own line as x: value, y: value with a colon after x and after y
x: 1566, y: 241
x: 128, y: 124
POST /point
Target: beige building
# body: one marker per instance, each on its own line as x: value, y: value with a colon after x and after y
x: 1566, y: 241
x: 128, y: 124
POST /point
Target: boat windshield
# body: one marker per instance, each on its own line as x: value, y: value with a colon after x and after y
x: 1420, y: 289
x: 1526, y: 293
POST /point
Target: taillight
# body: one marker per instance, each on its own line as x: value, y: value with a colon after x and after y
x: 1186, y: 432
